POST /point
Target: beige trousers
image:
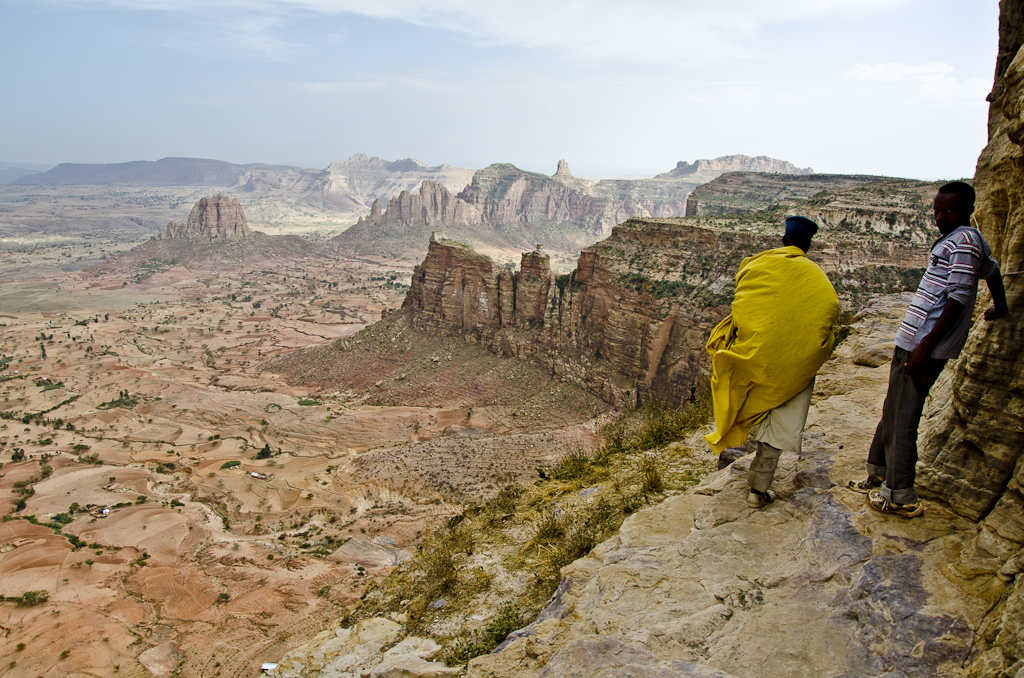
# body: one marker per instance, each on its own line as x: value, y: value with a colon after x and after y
x: 781, y: 429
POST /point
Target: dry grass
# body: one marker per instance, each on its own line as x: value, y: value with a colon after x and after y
x: 527, y: 534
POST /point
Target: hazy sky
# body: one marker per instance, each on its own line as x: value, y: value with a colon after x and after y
x: 616, y: 87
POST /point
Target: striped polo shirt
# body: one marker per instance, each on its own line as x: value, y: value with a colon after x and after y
x: 956, y: 263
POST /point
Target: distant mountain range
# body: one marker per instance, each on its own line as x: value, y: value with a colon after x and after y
x: 9, y: 171
x: 500, y: 195
x: 164, y: 172
x: 505, y: 206
x: 348, y: 187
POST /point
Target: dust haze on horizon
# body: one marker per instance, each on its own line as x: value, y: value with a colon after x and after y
x: 894, y: 87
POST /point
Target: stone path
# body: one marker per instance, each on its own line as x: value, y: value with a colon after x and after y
x: 816, y: 584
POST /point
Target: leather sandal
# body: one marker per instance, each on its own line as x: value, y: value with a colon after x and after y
x: 758, y: 499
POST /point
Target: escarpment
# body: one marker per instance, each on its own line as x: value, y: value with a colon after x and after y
x: 972, y: 448
x: 505, y: 206
x: 631, y: 320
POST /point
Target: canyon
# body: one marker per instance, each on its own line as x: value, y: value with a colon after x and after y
x: 505, y: 207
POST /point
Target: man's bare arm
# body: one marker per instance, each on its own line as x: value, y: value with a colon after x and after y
x: 998, y: 309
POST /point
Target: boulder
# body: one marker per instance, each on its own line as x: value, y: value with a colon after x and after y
x: 874, y: 356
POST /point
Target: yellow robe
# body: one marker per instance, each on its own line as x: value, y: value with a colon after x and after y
x: 770, y: 347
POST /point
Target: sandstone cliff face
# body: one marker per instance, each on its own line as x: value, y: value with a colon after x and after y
x: 353, y: 185
x: 707, y: 170
x: 216, y: 217
x: 742, y: 192
x: 434, y: 206
x: 973, y: 437
x: 504, y: 194
x: 632, y: 319
x: 505, y: 206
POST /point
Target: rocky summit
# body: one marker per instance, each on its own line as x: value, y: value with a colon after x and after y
x: 817, y: 583
x: 506, y: 206
x: 631, y: 320
x: 216, y: 217
x: 706, y: 170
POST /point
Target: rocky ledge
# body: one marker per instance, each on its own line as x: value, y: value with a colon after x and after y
x: 816, y: 584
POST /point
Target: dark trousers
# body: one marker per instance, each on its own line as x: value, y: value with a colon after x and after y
x: 893, y: 452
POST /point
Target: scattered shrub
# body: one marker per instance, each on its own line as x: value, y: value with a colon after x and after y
x: 34, y: 598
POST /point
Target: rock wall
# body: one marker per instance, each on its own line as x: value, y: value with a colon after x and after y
x: 504, y: 194
x: 504, y: 206
x: 631, y: 320
x: 972, y: 447
x: 743, y: 192
x: 709, y: 169
x: 434, y: 206
x: 216, y: 217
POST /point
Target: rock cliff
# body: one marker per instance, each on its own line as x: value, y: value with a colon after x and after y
x: 353, y: 185
x: 701, y: 585
x: 973, y: 437
x: 505, y: 206
x: 706, y: 170
x: 631, y: 320
x: 216, y: 217
x: 741, y: 192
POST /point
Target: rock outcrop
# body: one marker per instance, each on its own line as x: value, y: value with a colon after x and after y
x: 505, y: 206
x: 354, y: 185
x: 742, y: 192
x: 211, y: 218
x: 706, y: 170
x: 367, y: 650
x: 814, y: 585
x: 972, y: 447
x: 700, y: 585
x: 631, y: 320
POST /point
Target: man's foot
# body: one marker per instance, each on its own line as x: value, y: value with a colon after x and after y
x: 880, y: 503
x: 865, y: 486
x: 758, y: 499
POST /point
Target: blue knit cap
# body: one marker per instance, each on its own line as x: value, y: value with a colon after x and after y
x: 800, y: 227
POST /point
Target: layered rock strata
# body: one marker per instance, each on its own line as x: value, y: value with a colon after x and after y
x: 707, y: 170
x: 216, y: 217
x: 631, y: 320
x: 700, y: 585
x: 518, y: 206
x: 742, y: 192
x: 972, y: 446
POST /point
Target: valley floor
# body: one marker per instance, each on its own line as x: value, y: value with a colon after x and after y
x: 181, y: 510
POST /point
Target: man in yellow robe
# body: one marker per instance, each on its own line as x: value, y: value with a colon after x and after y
x: 766, y: 353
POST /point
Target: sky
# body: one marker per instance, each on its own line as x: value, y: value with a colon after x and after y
x: 618, y: 89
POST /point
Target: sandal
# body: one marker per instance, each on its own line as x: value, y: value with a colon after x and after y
x: 758, y: 499
x: 865, y: 486
x: 883, y: 505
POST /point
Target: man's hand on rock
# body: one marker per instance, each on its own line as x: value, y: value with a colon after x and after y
x: 995, y: 313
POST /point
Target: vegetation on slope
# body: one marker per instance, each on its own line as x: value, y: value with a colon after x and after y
x: 502, y: 558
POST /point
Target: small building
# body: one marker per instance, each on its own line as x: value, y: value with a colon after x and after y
x: 268, y: 666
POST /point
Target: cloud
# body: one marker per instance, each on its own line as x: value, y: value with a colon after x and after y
x: 674, y: 32
x: 933, y: 71
x: 928, y: 83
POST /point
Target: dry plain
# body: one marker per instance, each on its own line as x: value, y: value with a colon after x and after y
x: 244, y: 513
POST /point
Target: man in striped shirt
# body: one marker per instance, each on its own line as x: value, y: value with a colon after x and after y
x: 933, y: 331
